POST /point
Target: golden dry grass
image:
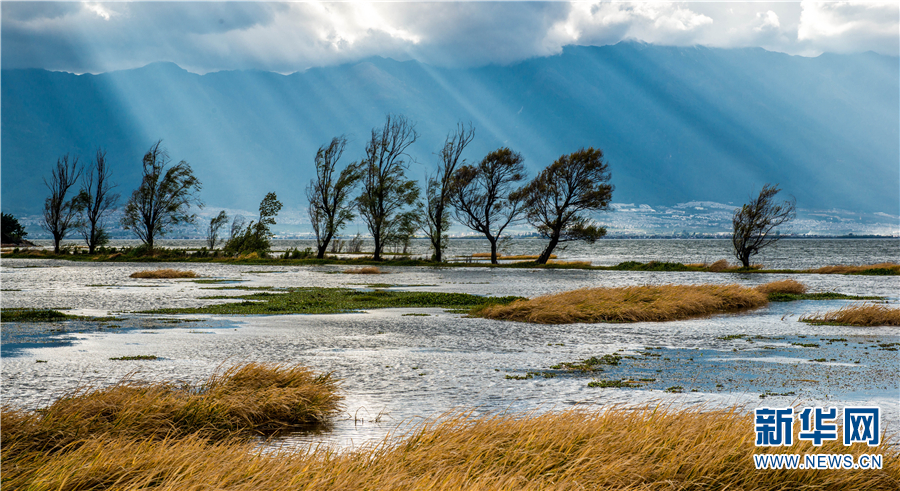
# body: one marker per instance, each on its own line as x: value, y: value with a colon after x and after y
x: 720, y: 265
x: 844, y: 269
x: 784, y: 286
x: 649, y: 303
x: 248, y: 398
x: 865, y: 315
x: 649, y: 449
x: 520, y: 257
x: 164, y: 273
x: 569, y: 263
x: 364, y: 270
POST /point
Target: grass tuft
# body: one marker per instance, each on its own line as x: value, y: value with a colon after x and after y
x: 621, y: 449
x: 628, y: 304
x: 869, y: 269
x: 865, y: 315
x: 164, y: 273
x: 788, y: 286
x: 245, y: 399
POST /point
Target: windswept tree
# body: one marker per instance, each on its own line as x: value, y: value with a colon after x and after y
x: 439, y: 187
x: 330, y: 205
x: 61, y: 214
x: 256, y: 237
x: 483, y: 196
x: 558, y: 199
x: 215, y: 226
x: 164, y: 197
x: 754, y: 223
x: 96, y: 201
x: 386, y: 192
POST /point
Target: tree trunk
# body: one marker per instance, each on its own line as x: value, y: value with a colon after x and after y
x: 56, y: 241
x: 377, y: 255
x: 92, y: 242
x: 493, y: 250
x: 320, y: 249
x: 545, y: 256
x: 437, y: 249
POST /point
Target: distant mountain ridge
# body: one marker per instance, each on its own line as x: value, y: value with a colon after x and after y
x: 676, y: 124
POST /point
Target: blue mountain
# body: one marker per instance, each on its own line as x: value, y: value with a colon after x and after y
x: 676, y: 124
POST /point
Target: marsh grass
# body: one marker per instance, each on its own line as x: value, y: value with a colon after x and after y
x: 570, y: 263
x: 520, y: 257
x: 869, y: 269
x: 244, y: 399
x: 336, y: 300
x: 164, y: 273
x: 32, y: 315
x: 865, y: 315
x: 622, y: 449
x: 789, y: 286
x: 650, y: 303
x: 46, y: 315
x: 365, y: 270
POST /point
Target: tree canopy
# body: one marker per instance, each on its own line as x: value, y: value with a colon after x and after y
x: 164, y: 197
x: 754, y: 223
x: 558, y: 199
x: 483, y: 195
x: 388, y: 201
x: 330, y: 206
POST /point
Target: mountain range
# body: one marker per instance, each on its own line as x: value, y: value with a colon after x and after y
x: 676, y: 124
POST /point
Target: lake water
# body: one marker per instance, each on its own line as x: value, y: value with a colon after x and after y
x: 398, y: 369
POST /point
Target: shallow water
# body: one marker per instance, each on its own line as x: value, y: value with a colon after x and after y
x: 397, y: 369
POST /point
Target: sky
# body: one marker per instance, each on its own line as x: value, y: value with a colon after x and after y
x: 89, y: 37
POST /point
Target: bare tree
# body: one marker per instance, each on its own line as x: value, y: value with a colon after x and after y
x: 60, y: 214
x: 96, y: 201
x: 556, y: 199
x: 386, y: 192
x: 755, y: 222
x: 330, y: 207
x: 237, y: 226
x: 215, y: 225
x: 437, y: 193
x: 164, y: 197
x: 483, y: 196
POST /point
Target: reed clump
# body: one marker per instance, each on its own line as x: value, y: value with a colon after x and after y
x: 164, y: 273
x: 251, y: 398
x: 790, y: 286
x: 873, y: 269
x: 649, y: 303
x: 652, y: 448
x: 364, y: 270
x: 865, y: 315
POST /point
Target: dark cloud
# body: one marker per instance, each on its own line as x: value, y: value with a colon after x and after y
x: 286, y: 37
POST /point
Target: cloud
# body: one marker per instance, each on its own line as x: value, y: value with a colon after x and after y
x: 286, y: 37
x: 606, y: 23
x: 850, y: 26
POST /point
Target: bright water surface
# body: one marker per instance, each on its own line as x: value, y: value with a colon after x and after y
x: 398, y: 369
